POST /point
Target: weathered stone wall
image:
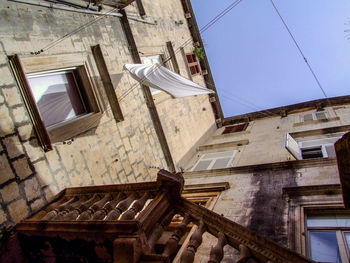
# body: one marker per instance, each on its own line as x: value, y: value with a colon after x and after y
x: 110, y: 153
x: 184, y: 120
x: 255, y: 200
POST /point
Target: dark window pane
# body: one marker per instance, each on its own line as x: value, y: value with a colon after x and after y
x: 235, y: 128
x: 324, y: 247
x: 57, y: 97
x: 189, y: 58
x: 314, y: 152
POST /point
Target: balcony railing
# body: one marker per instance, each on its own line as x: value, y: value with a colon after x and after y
x: 122, y: 224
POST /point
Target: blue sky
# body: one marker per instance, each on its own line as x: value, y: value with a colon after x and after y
x: 254, y: 61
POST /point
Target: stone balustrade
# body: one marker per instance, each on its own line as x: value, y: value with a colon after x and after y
x: 125, y: 223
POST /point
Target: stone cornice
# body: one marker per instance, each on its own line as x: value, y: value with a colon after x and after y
x: 297, y: 164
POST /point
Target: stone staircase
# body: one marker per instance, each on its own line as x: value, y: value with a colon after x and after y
x: 123, y: 223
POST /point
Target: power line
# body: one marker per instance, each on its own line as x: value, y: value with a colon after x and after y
x: 78, y: 29
x: 300, y: 51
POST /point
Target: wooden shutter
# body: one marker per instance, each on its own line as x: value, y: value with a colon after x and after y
x: 215, y: 160
x: 293, y: 147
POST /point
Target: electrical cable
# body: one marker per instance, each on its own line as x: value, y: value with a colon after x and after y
x: 78, y: 29
x: 298, y: 47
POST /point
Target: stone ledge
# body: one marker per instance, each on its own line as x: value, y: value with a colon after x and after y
x: 261, y: 167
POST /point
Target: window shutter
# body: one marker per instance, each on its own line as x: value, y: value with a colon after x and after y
x: 307, y: 117
x: 293, y: 147
x: 215, y: 160
x: 330, y: 151
x: 321, y: 115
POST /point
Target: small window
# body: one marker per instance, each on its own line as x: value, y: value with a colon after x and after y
x: 328, y: 237
x: 235, y: 128
x: 319, y: 115
x: 193, y: 64
x: 318, y: 148
x: 215, y: 160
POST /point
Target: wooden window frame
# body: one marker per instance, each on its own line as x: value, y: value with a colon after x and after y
x: 67, y: 129
x: 193, y: 64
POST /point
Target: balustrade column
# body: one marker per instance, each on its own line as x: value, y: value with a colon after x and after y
x: 86, y: 215
x: 136, y: 207
x: 53, y: 213
x: 70, y: 207
x: 81, y: 208
x: 217, y: 252
x: 195, y: 241
x: 245, y: 256
x: 100, y: 214
x: 172, y: 243
x: 120, y: 208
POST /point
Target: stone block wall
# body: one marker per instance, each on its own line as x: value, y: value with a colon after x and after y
x: 111, y: 152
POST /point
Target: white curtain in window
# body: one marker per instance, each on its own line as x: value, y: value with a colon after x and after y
x: 159, y: 77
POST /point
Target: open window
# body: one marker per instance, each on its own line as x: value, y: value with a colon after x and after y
x: 316, y: 148
x: 214, y: 160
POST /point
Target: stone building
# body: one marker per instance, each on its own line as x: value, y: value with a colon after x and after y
x: 283, y: 179
x: 239, y: 167
x: 128, y: 132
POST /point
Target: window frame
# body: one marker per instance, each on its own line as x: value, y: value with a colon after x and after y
x: 213, y: 160
x: 67, y: 129
x: 314, y: 116
x: 339, y: 231
x: 193, y: 64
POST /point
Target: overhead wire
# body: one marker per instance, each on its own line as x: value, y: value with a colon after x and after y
x: 300, y: 51
x: 302, y: 54
x: 78, y: 29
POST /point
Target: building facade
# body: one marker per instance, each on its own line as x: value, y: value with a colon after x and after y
x: 283, y: 178
x: 121, y: 132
